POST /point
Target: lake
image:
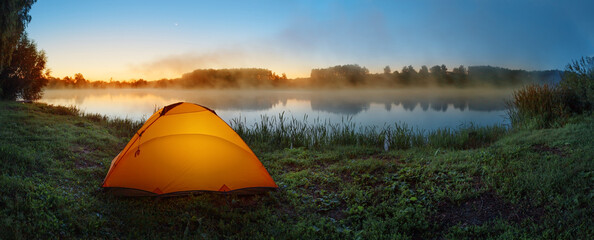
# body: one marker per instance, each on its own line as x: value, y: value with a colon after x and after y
x: 425, y: 109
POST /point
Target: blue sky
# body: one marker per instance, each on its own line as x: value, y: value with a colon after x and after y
x: 162, y: 39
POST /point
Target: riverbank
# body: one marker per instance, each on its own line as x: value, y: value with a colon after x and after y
x: 525, y: 183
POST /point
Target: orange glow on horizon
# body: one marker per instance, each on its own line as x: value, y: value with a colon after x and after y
x: 126, y: 76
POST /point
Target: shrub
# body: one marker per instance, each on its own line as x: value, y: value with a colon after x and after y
x: 578, y: 85
x: 543, y: 106
x: 539, y: 106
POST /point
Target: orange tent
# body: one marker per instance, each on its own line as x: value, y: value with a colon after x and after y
x: 184, y: 148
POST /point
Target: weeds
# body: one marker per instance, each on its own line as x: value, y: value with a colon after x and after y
x: 578, y: 81
x: 281, y: 132
x: 538, y: 106
x: 62, y: 110
x: 545, y: 106
x: 277, y: 132
x: 125, y: 128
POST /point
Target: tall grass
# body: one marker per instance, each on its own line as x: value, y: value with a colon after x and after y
x: 61, y: 110
x: 278, y: 132
x: 543, y: 106
x: 274, y: 132
x: 466, y: 137
x: 119, y: 127
x: 538, y: 106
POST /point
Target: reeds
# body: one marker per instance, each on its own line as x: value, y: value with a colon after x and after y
x: 119, y: 127
x: 538, y: 106
x: 281, y: 131
x: 543, y: 106
x: 274, y: 132
x: 62, y: 110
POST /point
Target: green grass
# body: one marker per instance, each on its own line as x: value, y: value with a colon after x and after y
x: 335, y: 182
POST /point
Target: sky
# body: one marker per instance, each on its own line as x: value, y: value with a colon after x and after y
x: 147, y: 39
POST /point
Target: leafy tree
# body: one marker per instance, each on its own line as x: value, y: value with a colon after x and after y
x: 387, y: 70
x: 436, y: 73
x: 79, y: 80
x: 229, y: 78
x: 440, y: 75
x: 25, y: 76
x: 68, y: 81
x: 424, y: 75
x: 340, y: 75
x: 139, y: 83
x: 459, y: 76
x: 14, y: 16
x: 447, y: 80
x: 408, y: 75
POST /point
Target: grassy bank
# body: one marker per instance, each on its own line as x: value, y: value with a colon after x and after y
x: 473, y: 183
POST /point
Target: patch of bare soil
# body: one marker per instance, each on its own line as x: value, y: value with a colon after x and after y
x: 545, y: 148
x: 290, y: 167
x: 243, y: 201
x: 83, y: 161
x: 484, y: 208
x: 86, y: 164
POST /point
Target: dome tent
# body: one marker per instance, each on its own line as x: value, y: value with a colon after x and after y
x: 184, y: 148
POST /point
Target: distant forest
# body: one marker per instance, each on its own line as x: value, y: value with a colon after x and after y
x: 341, y: 76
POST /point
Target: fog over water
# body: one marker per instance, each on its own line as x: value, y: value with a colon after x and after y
x: 420, y: 108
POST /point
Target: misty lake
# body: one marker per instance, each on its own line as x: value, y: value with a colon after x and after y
x: 419, y: 108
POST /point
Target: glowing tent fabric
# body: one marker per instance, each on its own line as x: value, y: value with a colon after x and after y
x: 184, y: 148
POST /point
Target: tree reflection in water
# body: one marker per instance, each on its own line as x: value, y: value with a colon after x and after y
x: 416, y: 107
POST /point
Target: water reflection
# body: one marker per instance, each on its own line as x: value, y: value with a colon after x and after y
x: 417, y: 107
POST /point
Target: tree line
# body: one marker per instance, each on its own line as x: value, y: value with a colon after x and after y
x: 200, y: 78
x: 436, y: 76
x: 341, y: 76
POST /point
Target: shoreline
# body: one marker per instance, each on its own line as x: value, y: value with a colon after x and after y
x: 530, y: 183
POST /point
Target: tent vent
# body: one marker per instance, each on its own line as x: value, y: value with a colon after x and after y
x: 224, y: 188
x: 169, y: 107
x: 157, y: 191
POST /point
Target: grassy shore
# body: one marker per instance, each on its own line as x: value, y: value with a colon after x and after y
x: 472, y: 183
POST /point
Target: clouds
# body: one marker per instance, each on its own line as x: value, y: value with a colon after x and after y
x: 294, y: 37
x: 174, y: 65
x: 337, y: 31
